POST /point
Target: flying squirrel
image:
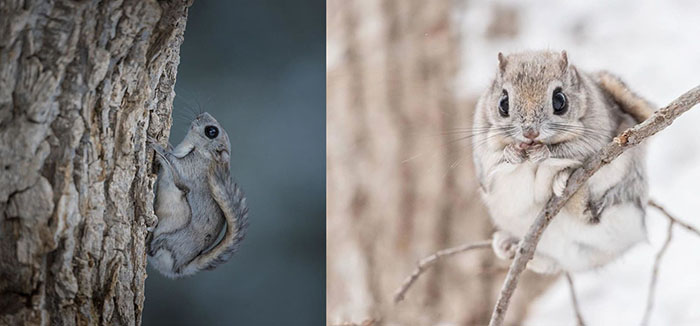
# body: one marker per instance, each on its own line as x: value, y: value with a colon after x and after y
x: 195, y: 198
x: 539, y: 120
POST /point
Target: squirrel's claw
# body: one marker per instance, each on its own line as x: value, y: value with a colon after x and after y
x: 513, y: 155
x: 538, y: 153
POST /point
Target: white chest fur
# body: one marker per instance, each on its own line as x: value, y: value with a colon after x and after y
x: 515, y: 194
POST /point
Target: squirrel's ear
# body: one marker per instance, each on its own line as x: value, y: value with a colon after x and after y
x: 502, y: 62
x: 564, y: 60
x: 574, y: 77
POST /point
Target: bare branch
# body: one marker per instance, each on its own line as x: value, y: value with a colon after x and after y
x: 574, y: 300
x: 657, y: 262
x: 427, y: 262
x: 627, y: 139
x: 687, y: 226
x: 655, y: 271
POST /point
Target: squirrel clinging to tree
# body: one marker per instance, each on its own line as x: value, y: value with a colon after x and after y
x: 195, y: 198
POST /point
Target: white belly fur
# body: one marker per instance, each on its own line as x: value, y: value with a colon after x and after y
x: 517, y: 194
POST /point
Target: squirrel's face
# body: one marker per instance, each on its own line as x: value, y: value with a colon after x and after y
x: 536, y: 98
x: 205, y: 133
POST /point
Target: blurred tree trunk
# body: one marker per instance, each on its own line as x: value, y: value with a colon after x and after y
x: 82, y: 84
x: 391, y: 96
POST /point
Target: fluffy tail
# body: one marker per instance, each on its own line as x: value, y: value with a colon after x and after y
x: 636, y: 106
x: 232, y: 202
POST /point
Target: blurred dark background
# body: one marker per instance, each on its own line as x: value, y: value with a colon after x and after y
x: 259, y: 68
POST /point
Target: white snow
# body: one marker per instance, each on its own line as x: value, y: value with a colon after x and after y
x: 655, y: 47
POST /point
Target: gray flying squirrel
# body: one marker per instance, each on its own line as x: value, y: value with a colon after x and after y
x: 195, y: 197
x: 539, y: 120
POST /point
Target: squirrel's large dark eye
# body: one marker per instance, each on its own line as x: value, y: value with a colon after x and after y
x: 503, y: 104
x: 559, y: 102
x: 211, y: 132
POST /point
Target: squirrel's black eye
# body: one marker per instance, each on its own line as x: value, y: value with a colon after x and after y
x: 559, y: 102
x: 503, y: 104
x: 211, y: 132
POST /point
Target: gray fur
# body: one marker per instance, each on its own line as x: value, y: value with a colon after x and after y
x: 593, y: 118
x: 195, y: 197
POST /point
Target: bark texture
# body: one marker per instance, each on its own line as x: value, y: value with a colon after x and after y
x: 390, y: 96
x: 82, y: 85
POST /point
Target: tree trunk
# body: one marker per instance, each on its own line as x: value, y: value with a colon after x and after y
x: 391, y: 98
x: 82, y: 85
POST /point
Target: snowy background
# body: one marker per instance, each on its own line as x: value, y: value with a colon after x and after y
x: 655, y: 47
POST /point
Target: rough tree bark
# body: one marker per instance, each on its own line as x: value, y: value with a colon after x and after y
x: 390, y: 96
x: 82, y: 84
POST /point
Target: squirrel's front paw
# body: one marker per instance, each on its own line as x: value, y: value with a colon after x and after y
x: 504, y: 246
x: 513, y: 155
x: 151, y: 221
x: 538, y: 152
x: 559, y: 182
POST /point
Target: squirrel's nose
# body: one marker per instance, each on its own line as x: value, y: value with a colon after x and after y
x: 530, y: 133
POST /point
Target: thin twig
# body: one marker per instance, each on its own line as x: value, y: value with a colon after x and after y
x: 427, y: 262
x: 574, y: 300
x: 655, y: 272
x: 685, y: 225
x: 627, y: 139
